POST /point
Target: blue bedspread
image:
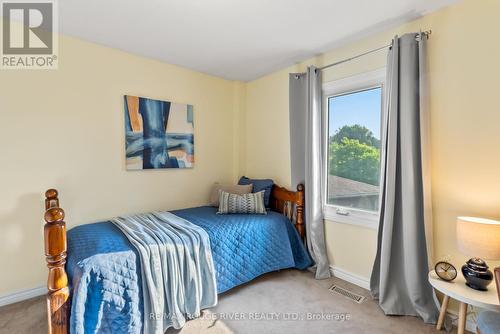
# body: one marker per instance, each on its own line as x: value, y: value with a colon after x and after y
x: 104, y: 268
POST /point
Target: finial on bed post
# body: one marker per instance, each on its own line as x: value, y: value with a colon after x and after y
x: 55, y: 254
x: 300, y: 211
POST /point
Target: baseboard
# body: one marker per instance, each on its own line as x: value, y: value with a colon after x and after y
x: 22, y: 295
x: 350, y: 277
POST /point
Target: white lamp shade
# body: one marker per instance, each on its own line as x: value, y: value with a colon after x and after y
x: 479, y: 237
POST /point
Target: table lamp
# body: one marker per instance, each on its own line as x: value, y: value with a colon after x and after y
x: 480, y: 238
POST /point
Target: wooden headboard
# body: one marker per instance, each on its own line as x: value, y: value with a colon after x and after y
x: 289, y: 203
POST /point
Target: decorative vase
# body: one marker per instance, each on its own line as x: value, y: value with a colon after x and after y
x: 476, y: 274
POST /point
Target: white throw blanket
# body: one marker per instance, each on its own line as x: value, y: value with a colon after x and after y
x: 178, y: 276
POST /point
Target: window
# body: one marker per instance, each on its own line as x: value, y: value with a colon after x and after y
x: 352, y: 171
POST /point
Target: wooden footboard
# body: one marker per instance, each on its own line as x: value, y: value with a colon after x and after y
x: 289, y: 203
x: 55, y: 253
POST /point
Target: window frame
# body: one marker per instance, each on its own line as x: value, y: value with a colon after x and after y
x: 349, y: 85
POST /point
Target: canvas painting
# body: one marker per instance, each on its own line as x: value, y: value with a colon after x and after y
x: 159, y: 134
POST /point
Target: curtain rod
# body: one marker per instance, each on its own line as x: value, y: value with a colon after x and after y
x: 425, y: 33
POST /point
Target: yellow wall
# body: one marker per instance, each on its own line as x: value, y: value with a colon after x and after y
x: 351, y: 248
x: 266, y: 149
x: 464, y: 73
x: 65, y: 129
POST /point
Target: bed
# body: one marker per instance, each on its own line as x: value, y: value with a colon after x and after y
x: 93, y: 278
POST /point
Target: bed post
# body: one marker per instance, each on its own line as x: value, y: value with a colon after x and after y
x: 300, y: 211
x: 55, y: 254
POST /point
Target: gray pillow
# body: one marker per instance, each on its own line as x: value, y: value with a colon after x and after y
x: 230, y: 188
x: 246, y: 203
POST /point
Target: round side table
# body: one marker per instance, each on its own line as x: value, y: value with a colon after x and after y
x: 465, y: 295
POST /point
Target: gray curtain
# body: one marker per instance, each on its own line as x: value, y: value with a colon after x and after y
x: 298, y: 105
x: 399, y: 276
x: 306, y: 136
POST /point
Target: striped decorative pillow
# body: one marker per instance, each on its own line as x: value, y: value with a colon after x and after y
x: 246, y: 203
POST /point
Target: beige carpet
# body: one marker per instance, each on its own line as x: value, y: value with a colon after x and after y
x: 281, y: 302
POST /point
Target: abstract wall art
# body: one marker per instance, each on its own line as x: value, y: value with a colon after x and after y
x: 159, y: 134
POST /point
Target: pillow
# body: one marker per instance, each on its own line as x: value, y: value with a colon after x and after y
x: 230, y: 188
x: 246, y: 203
x: 259, y: 185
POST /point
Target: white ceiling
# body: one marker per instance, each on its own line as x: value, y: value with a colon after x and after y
x: 233, y: 39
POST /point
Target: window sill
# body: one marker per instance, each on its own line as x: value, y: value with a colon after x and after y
x: 356, y: 218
